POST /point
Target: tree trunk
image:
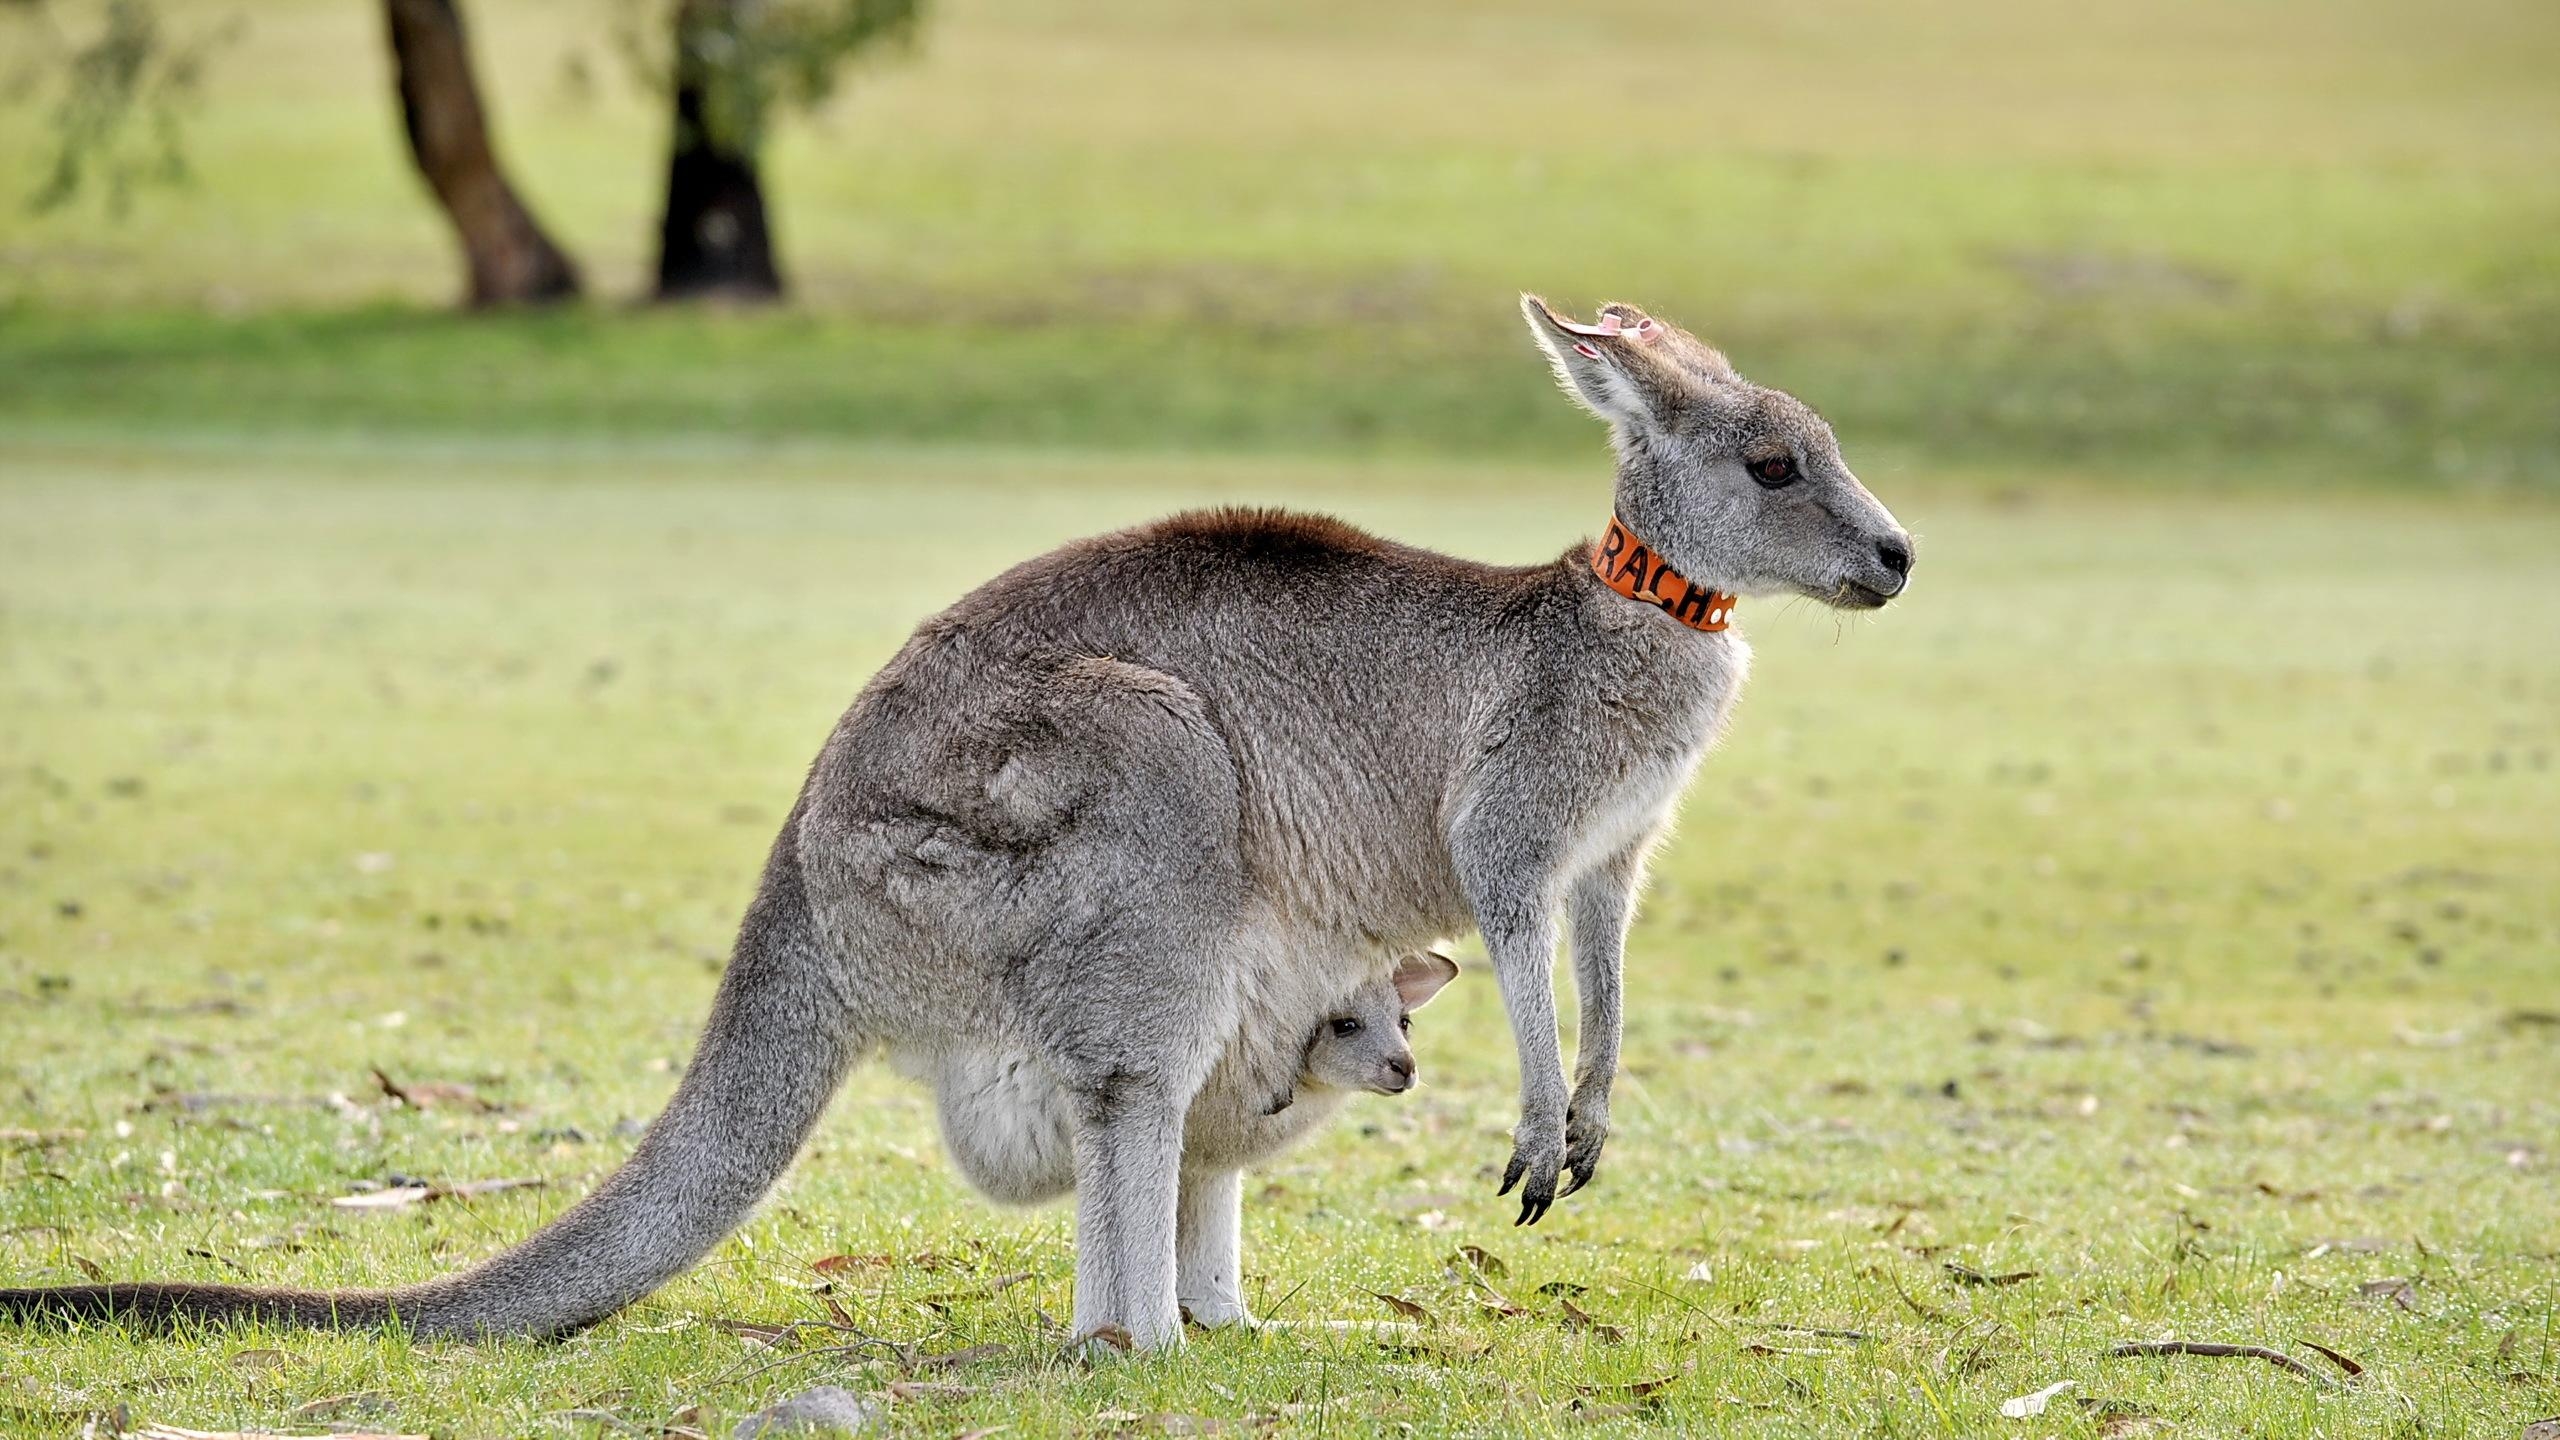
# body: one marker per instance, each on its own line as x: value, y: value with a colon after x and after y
x: 511, y: 261
x: 713, y: 241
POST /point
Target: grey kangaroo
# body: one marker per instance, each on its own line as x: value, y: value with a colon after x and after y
x: 1124, y: 802
x: 1010, y: 1126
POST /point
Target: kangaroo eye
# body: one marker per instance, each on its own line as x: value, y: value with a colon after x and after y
x: 1774, y: 471
x: 1347, y: 1025
x: 1404, y: 1022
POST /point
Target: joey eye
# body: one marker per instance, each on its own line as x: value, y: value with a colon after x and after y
x: 1774, y: 471
x: 1404, y: 1022
x: 1346, y: 1026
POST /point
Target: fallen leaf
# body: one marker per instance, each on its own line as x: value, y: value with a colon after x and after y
x: 1575, y: 1318
x: 1114, y: 1336
x: 1563, y: 1287
x: 2333, y: 1357
x: 428, y: 1094
x: 1405, y: 1308
x: 2541, y: 1430
x: 260, y: 1360
x: 1967, y: 1275
x: 1700, y: 1273
x: 1482, y: 1261
x: 828, y: 1408
x: 2020, y: 1407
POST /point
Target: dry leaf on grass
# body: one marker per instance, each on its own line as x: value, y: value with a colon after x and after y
x: 2541, y: 1430
x: 1405, y: 1308
x: 1576, y: 1318
x: 428, y: 1094
x: 1477, y: 1260
x: 1967, y: 1275
x: 2353, y: 1369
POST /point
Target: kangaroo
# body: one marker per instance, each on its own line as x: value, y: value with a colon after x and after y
x: 1010, y: 1126
x: 1129, y: 795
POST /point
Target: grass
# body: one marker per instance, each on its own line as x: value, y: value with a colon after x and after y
x: 2161, y: 901
x: 2299, y: 239
x: 2160, y: 905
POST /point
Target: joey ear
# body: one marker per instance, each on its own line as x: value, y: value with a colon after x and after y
x: 1419, y: 977
x: 1611, y: 368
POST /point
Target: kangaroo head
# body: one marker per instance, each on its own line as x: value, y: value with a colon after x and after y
x: 1360, y: 1044
x: 1738, y: 486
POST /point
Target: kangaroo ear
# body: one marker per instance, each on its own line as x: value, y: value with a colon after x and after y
x: 1616, y: 369
x: 1703, y: 363
x: 1419, y: 977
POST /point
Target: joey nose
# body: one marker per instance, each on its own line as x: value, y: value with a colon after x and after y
x: 1400, y: 1073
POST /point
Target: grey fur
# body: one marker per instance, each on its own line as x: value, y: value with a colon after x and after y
x: 1129, y: 797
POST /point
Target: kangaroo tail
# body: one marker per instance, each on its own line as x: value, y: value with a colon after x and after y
x: 778, y: 1042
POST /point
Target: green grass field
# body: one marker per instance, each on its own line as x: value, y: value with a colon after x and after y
x: 2207, y: 976
x: 2149, y: 929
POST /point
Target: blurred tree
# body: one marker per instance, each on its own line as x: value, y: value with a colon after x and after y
x: 124, y: 93
x: 510, y: 261
x: 733, y: 63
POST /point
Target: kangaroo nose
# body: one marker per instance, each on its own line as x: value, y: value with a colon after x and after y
x: 1896, y: 555
x: 1402, y: 1069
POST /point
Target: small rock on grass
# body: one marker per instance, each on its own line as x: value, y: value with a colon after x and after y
x: 828, y: 1409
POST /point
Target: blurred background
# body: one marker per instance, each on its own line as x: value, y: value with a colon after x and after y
x: 2168, y: 242
x: 457, y: 459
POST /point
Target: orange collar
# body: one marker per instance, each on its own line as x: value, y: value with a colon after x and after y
x: 1625, y: 565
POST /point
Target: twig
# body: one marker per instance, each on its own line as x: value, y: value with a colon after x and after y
x: 1923, y: 1311
x: 2277, y: 1358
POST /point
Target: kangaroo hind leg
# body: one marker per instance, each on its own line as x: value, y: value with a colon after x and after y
x: 1129, y: 988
